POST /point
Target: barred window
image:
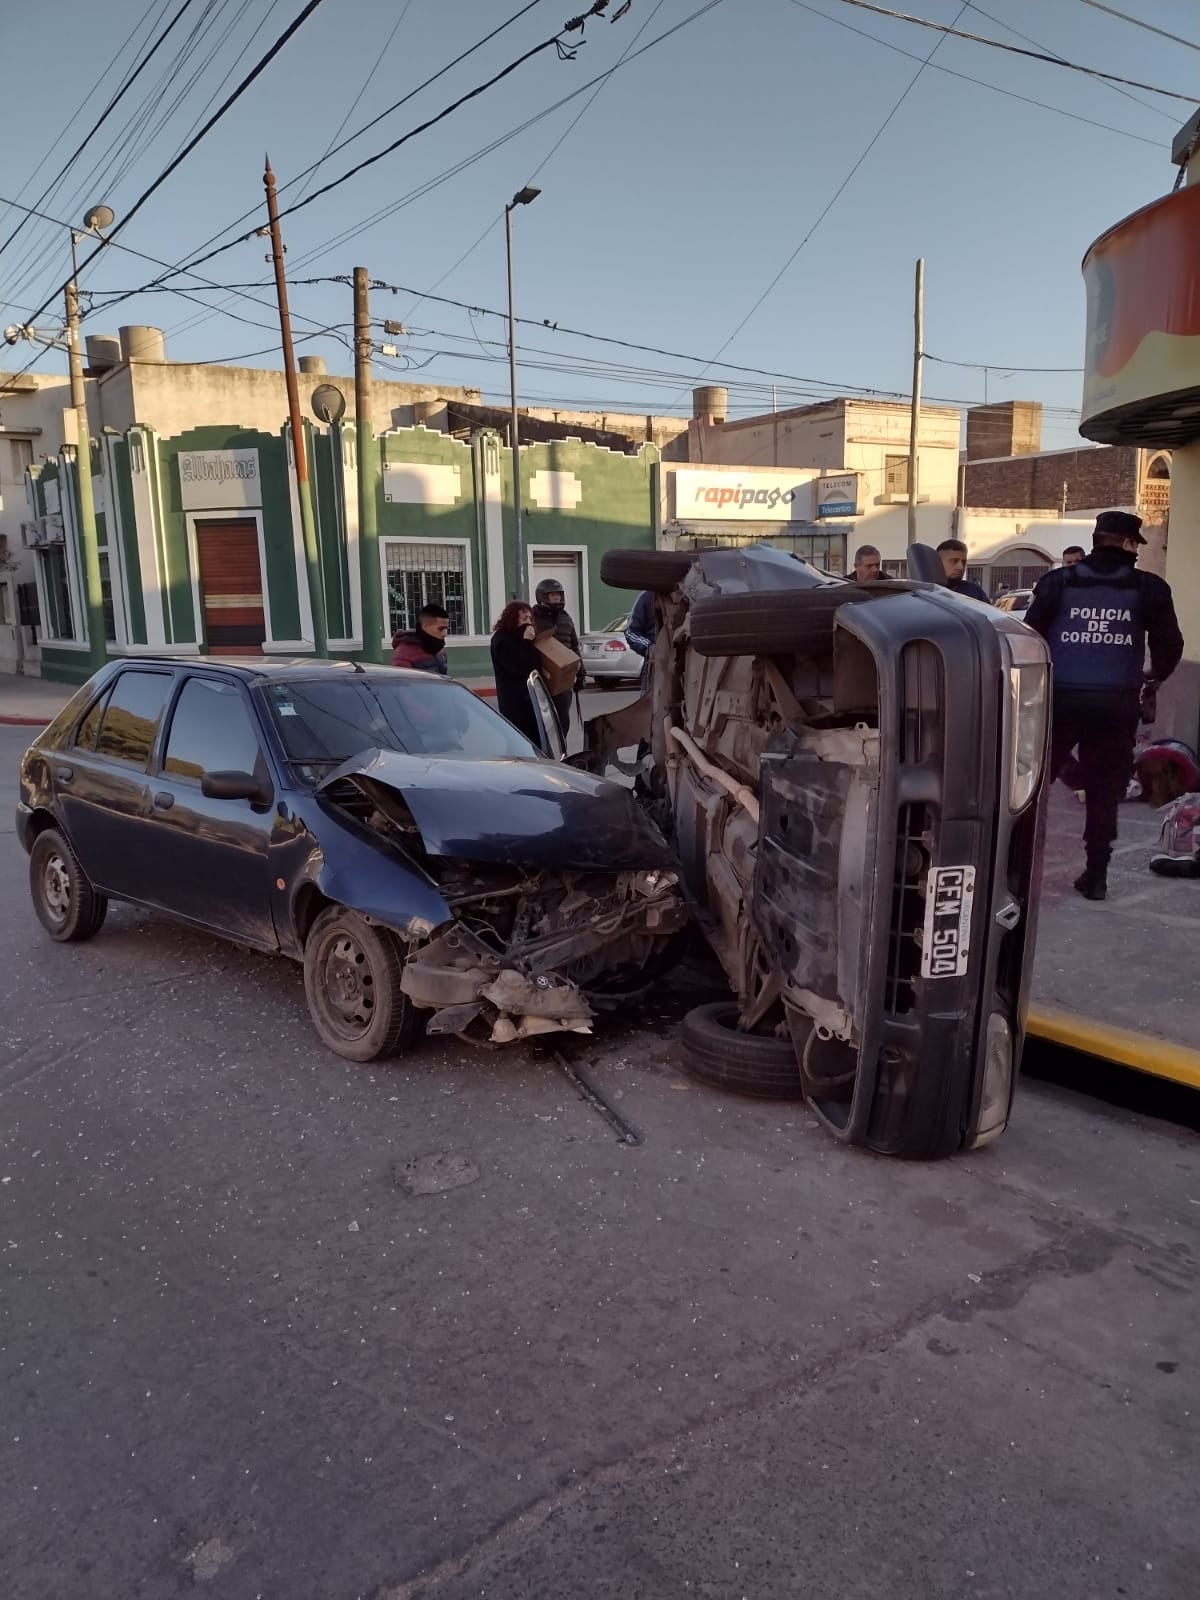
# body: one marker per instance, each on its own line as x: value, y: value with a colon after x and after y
x: 423, y: 574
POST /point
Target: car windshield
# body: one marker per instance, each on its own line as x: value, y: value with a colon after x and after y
x: 322, y: 724
x: 616, y: 627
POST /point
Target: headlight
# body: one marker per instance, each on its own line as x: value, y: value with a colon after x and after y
x: 997, y: 1082
x: 1028, y: 694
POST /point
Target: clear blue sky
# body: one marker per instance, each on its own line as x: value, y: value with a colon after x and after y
x: 665, y: 213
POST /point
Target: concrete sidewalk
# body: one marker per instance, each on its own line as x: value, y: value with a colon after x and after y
x: 1118, y: 978
x: 31, y: 702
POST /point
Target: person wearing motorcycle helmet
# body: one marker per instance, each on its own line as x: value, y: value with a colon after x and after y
x: 550, y: 615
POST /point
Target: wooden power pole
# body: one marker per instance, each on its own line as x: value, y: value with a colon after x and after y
x: 375, y: 623
x: 308, y: 523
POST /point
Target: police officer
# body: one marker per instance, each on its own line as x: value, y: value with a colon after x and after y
x: 1097, y: 617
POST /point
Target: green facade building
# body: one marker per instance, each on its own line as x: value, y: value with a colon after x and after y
x: 200, y: 548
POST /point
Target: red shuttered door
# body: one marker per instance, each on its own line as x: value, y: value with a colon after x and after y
x: 231, y: 587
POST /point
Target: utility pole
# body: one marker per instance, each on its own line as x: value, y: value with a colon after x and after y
x: 308, y: 524
x: 88, y: 538
x: 523, y: 197
x: 915, y: 421
x: 368, y: 518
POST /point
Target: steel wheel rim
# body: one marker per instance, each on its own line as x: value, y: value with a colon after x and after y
x: 348, y: 986
x: 56, y: 888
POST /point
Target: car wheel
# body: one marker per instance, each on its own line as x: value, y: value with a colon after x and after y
x: 656, y: 570
x: 66, y: 904
x: 716, y: 1052
x: 775, y: 622
x: 352, y: 982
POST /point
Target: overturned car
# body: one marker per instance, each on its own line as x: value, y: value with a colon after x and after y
x: 850, y: 776
x: 430, y: 868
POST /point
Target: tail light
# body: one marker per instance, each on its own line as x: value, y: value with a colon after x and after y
x: 616, y: 644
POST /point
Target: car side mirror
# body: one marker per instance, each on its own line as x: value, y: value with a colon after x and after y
x: 925, y: 565
x: 232, y: 786
x: 550, y: 734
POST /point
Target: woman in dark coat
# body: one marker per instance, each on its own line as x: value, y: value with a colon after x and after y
x: 514, y: 657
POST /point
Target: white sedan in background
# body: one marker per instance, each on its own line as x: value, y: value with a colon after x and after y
x: 606, y: 654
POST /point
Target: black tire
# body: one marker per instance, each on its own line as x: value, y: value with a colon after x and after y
x: 67, y: 906
x: 352, y: 984
x: 656, y: 570
x: 748, y: 1063
x: 775, y: 622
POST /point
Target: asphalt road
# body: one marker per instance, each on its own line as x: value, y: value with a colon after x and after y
x: 276, y: 1326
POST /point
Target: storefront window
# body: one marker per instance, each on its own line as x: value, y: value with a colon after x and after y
x: 420, y: 574
x: 106, y: 596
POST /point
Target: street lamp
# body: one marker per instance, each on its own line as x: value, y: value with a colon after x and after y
x: 523, y: 197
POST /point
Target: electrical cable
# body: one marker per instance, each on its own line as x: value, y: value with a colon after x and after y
x: 840, y: 190
x: 440, y: 178
x: 357, y: 101
x: 551, y: 153
x: 982, y: 83
x: 231, y: 99
x: 1116, y: 88
x: 1018, y: 50
x: 1137, y: 22
x: 450, y: 65
x: 113, y: 103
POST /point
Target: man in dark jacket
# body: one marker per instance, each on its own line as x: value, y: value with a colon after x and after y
x: 424, y: 649
x: 550, y: 615
x: 1098, y: 617
x: 954, y: 564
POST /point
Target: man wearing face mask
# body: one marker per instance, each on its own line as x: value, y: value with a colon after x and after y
x: 1098, y: 617
x: 424, y: 648
x: 550, y: 615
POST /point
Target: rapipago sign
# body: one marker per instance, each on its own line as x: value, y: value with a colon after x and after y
x: 763, y: 496
x: 838, y: 496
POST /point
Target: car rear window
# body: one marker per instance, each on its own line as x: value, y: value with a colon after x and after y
x: 324, y: 724
x: 131, y: 716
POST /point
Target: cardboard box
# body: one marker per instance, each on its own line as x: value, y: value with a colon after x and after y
x: 560, y: 666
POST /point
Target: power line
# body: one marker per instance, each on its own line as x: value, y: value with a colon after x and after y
x: 121, y: 87
x: 1018, y: 50
x: 554, y: 148
x: 996, y: 366
x: 357, y: 101
x: 447, y: 173
x: 840, y: 190
x: 1137, y: 100
x: 556, y: 41
x: 1137, y: 22
x: 255, y: 72
x: 982, y: 83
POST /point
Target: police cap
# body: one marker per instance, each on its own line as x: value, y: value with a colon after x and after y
x: 1123, y: 523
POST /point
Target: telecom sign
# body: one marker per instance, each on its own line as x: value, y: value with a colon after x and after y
x: 838, y: 497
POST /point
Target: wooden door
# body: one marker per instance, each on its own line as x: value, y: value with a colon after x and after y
x: 231, y: 587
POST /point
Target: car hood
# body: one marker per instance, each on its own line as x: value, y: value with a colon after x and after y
x: 520, y: 813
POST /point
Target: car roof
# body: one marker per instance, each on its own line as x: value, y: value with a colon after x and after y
x: 266, y: 672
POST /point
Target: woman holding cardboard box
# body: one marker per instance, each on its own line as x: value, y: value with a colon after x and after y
x: 514, y: 657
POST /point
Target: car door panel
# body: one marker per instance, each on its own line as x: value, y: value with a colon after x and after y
x: 208, y: 858
x: 101, y: 781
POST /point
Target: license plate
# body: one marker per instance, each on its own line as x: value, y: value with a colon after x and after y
x: 946, y: 946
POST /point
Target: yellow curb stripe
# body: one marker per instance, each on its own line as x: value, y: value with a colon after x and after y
x: 1159, y: 1057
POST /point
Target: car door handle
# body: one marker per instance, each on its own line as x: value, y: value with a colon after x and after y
x: 163, y: 801
x: 65, y: 774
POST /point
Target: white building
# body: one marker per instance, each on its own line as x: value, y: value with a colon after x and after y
x: 825, y: 478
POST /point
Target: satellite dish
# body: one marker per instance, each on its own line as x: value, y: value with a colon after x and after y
x: 99, y: 218
x: 328, y: 403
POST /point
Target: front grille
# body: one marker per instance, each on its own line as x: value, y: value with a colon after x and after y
x: 914, y: 831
